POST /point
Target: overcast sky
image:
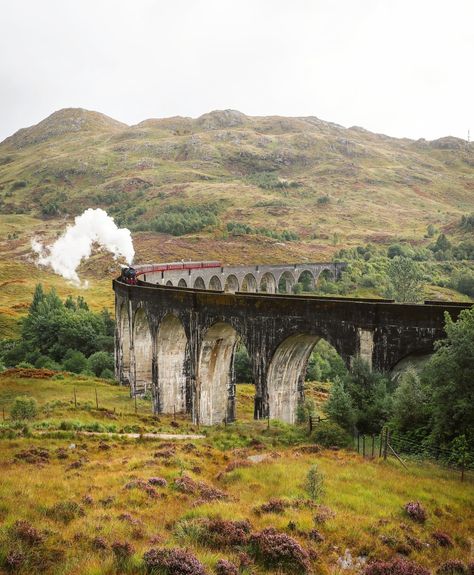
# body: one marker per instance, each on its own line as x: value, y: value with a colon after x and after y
x: 401, y: 67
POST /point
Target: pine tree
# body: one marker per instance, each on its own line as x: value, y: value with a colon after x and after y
x: 339, y: 406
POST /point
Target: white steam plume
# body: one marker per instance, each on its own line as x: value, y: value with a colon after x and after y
x: 75, y: 244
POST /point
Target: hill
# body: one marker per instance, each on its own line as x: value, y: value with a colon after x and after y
x: 224, y: 185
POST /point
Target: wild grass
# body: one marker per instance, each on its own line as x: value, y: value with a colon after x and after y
x: 82, y: 507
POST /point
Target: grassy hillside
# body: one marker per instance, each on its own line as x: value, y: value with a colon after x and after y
x: 226, y: 182
x: 78, y: 495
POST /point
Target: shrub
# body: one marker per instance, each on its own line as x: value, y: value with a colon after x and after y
x: 442, y: 539
x: 24, y: 531
x: 329, y: 434
x: 278, y: 550
x: 395, y: 567
x: 452, y: 567
x: 323, y: 513
x: 24, y: 408
x: 224, y: 533
x: 75, y: 361
x: 100, y: 361
x: 107, y: 374
x: 415, y: 511
x: 224, y: 567
x: 122, y: 551
x: 159, y: 481
x: 65, y: 511
x: 314, y: 484
x: 276, y: 506
x: 173, y: 561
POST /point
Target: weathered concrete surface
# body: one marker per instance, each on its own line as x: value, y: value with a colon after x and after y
x: 183, y: 341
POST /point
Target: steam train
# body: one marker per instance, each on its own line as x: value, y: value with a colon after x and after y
x: 130, y: 275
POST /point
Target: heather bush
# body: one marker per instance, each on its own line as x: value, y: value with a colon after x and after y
x: 172, y: 562
x: 224, y: 533
x: 452, y: 567
x: 224, y: 567
x: 159, y: 481
x: 274, y: 505
x: 323, y: 514
x: 65, y: 511
x: 415, y: 511
x: 122, y: 552
x: 442, y: 539
x: 396, y: 566
x: 24, y: 531
x: 278, y: 550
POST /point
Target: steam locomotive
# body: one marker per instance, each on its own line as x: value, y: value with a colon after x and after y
x: 130, y: 275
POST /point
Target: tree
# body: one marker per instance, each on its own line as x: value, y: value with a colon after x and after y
x: 339, y: 406
x: 449, y: 377
x: 243, y: 366
x: 314, y: 484
x: 405, y: 280
x: 99, y: 361
x: 411, y: 403
x: 75, y: 361
x: 369, y: 394
x: 442, y: 244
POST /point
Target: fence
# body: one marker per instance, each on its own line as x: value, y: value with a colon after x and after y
x: 390, y: 444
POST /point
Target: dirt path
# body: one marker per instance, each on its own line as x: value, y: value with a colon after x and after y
x: 135, y: 435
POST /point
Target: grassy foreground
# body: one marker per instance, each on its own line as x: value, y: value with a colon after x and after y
x: 81, y: 495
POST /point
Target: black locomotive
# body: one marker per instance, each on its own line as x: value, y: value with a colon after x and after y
x: 129, y: 276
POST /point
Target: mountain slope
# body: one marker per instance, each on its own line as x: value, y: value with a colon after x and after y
x: 328, y: 185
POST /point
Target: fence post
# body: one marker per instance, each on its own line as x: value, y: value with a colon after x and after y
x: 385, y: 448
x: 96, y: 399
x: 381, y: 441
x: 136, y: 403
x: 373, y: 445
x: 358, y: 442
x: 363, y: 446
x: 463, y: 463
x: 310, y: 421
x: 75, y: 399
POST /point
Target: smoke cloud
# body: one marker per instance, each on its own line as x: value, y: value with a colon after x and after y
x: 93, y: 227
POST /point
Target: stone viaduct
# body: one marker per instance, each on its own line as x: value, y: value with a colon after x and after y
x: 179, y: 342
x: 258, y: 278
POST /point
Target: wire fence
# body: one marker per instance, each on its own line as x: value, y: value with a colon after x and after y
x: 405, y: 450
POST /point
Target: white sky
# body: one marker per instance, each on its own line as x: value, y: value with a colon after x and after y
x: 401, y: 67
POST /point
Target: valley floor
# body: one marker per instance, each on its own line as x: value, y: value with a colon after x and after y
x: 82, y: 496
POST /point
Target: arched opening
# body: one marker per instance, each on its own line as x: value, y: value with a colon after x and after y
x: 285, y: 378
x: 249, y: 284
x: 231, y: 283
x: 171, y: 344
x: 216, y: 385
x: 245, y: 383
x: 286, y: 283
x: 124, y: 374
x: 182, y: 283
x: 414, y: 360
x: 268, y: 283
x: 169, y: 283
x: 199, y: 283
x: 143, y: 353
x: 305, y: 282
x: 324, y: 282
x: 215, y: 284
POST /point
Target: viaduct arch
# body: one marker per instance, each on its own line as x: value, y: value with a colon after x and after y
x: 180, y: 342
